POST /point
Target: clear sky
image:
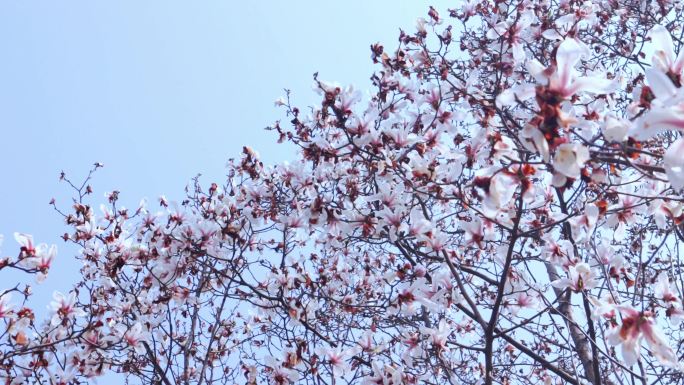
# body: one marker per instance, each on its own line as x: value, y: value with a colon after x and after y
x: 159, y: 91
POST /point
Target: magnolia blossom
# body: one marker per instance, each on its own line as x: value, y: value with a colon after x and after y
x: 580, y: 278
x: 636, y: 326
x: 562, y: 78
x: 280, y: 375
x: 512, y: 34
x: 583, y: 224
x: 134, y: 337
x: 337, y: 360
x: 669, y: 299
x: 413, y: 348
x: 384, y: 375
x: 439, y: 336
x: 43, y: 260
x: 664, y: 57
x: 616, y: 129
x: 569, y: 161
x: 65, y: 309
x: 667, y: 112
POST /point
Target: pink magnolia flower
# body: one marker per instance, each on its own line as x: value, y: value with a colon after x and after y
x: 26, y: 242
x: 604, y: 307
x: 663, y: 290
x: 669, y: 299
x: 337, y: 360
x: 412, y: 296
x: 520, y: 300
x: 65, y: 308
x: 512, y: 34
x: 133, y: 336
x: 636, y: 326
x: 582, y: 226
x: 384, y: 375
x: 562, y: 78
x: 667, y: 112
x: 43, y: 260
x: 659, y: 118
x: 438, y: 336
x: 279, y: 374
x: 413, y: 348
x: 88, y: 230
x: 475, y: 231
x: 558, y: 252
x: 615, y: 129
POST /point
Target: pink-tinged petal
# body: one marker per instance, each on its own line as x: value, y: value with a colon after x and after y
x: 663, y: 55
x: 567, y: 56
x: 518, y: 52
x: 593, y: 85
x: 673, y: 162
x: 678, y: 65
x: 25, y: 240
x: 656, y: 121
x: 562, y: 283
x: 660, y: 349
x: 552, y: 34
x: 613, y: 336
x: 510, y: 96
x: 660, y: 84
x: 628, y: 311
x: 537, y: 70
x: 630, y: 351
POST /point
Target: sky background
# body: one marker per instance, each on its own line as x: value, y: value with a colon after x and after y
x: 159, y: 91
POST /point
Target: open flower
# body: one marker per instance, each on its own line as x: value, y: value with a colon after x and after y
x: 636, y: 326
x: 664, y: 80
x: 580, y: 277
x: 669, y: 299
x: 664, y: 56
x: 65, y: 309
x: 438, y: 336
x: 569, y: 159
x: 563, y: 79
x: 280, y: 374
x: 337, y: 360
x: 134, y: 336
x: 43, y: 260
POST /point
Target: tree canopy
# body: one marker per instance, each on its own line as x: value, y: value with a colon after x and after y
x: 504, y: 207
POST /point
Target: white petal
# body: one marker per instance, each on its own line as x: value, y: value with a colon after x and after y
x: 663, y: 47
x: 673, y: 161
x: 660, y: 84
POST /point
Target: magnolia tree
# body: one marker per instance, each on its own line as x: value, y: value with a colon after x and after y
x: 504, y: 208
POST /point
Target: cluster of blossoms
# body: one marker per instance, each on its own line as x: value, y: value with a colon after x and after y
x: 27, y: 347
x: 505, y: 208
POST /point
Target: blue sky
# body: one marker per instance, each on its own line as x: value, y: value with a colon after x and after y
x: 160, y: 91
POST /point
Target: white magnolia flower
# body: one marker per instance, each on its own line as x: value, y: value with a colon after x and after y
x: 580, y: 277
x: 570, y: 159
